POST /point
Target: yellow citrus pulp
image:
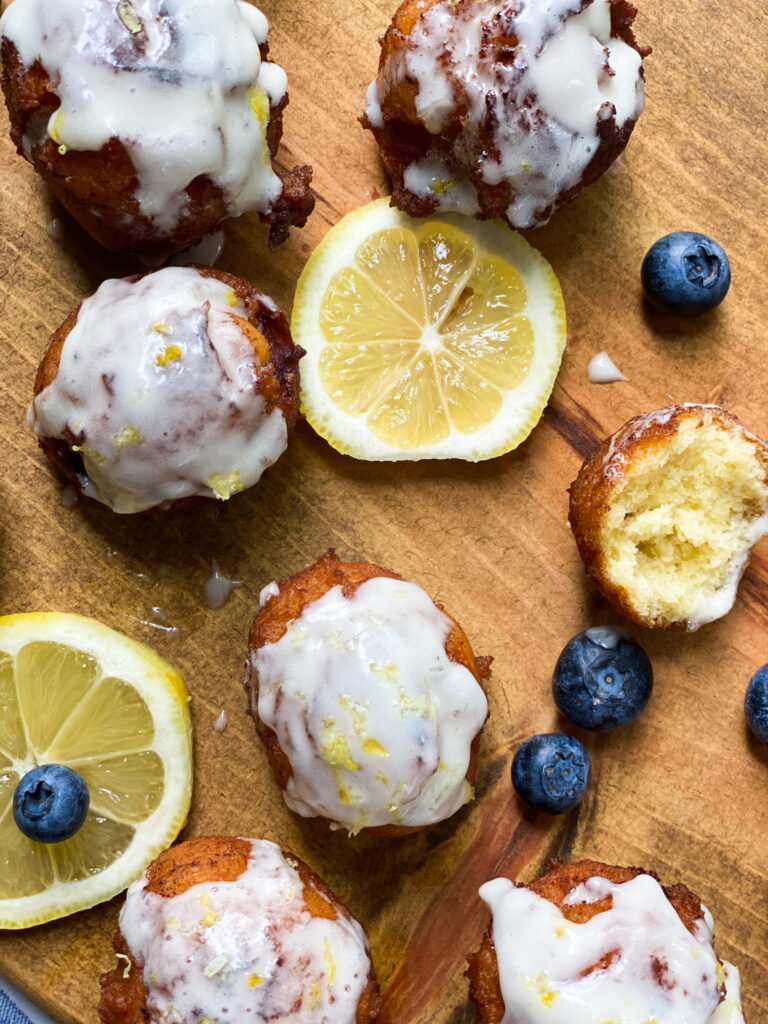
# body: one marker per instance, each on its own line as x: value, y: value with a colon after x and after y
x: 74, y: 692
x: 438, y: 338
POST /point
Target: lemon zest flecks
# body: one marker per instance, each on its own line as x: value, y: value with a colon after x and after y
x: 720, y: 976
x: 334, y: 747
x: 224, y: 485
x: 129, y: 17
x: 357, y: 712
x: 440, y: 186
x: 216, y: 965
x: 382, y: 778
x: 374, y: 748
x: 314, y: 994
x: 231, y: 297
x: 162, y: 327
x: 330, y: 963
x: 259, y: 103
x: 128, y: 435
x: 390, y: 672
x: 540, y: 985
x: 168, y: 355
x: 91, y: 453
x: 254, y: 980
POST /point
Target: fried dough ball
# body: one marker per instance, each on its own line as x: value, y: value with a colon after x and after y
x: 218, y: 922
x: 598, y: 942
x: 367, y: 696
x: 166, y: 388
x: 503, y: 109
x: 666, y: 511
x: 151, y: 122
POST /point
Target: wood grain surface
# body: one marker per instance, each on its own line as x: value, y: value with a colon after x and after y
x: 684, y: 790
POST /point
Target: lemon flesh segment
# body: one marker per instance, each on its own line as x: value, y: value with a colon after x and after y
x: 75, y: 692
x: 413, y: 414
x: 355, y: 310
x: 391, y: 260
x: 13, y: 742
x: 446, y: 258
x: 356, y: 376
x: 426, y: 339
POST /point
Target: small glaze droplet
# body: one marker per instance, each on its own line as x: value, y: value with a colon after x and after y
x: 56, y: 230
x: 603, y: 370
x: 159, y: 615
x: 207, y: 251
x: 221, y: 722
x: 68, y: 497
x: 218, y: 587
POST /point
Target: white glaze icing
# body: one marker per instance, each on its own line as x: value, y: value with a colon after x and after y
x: 157, y: 390
x: 179, y: 82
x: 245, y: 950
x: 603, y: 370
x: 205, y: 252
x: 543, y: 958
x: 56, y: 229
x: 375, y: 719
x: 271, y: 590
x: 218, y: 587
x: 542, y: 108
x: 68, y: 496
x: 221, y: 722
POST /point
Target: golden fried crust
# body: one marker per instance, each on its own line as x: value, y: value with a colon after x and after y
x: 559, y: 880
x: 590, y: 493
x: 99, y: 187
x: 404, y: 139
x: 196, y: 861
x: 307, y: 586
x: 277, y: 376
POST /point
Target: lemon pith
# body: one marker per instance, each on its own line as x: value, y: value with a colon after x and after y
x: 426, y: 339
x: 74, y: 692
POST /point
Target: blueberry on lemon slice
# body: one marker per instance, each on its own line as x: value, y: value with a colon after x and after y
x: 95, y: 763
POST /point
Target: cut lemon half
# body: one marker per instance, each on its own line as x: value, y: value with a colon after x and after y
x: 74, y: 692
x: 432, y: 339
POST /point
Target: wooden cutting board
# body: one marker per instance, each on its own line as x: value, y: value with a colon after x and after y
x: 684, y: 790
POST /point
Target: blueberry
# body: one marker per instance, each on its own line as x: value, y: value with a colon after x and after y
x: 685, y: 274
x: 756, y: 704
x: 550, y: 772
x: 50, y: 803
x: 602, y: 679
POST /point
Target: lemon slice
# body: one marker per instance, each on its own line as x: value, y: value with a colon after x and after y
x: 433, y: 339
x: 74, y: 692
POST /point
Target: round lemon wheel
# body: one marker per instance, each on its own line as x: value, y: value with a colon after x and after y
x: 74, y: 692
x: 431, y: 339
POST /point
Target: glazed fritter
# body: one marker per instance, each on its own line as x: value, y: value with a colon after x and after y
x: 359, y: 770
